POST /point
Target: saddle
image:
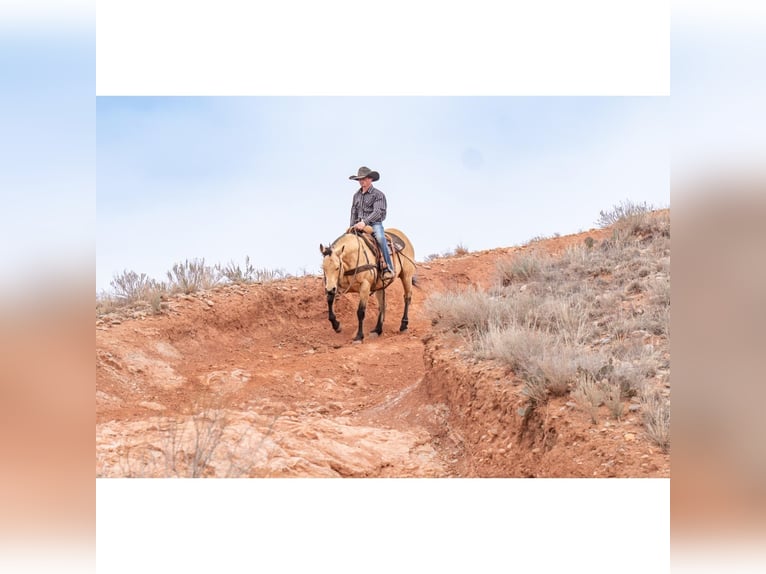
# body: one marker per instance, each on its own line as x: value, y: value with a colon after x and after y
x: 395, y: 244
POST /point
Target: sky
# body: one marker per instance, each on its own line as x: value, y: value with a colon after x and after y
x: 220, y: 178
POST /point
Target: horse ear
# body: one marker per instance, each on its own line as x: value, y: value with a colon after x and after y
x: 321, y: 249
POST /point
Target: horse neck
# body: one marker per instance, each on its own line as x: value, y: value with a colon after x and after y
x: 356, y: 252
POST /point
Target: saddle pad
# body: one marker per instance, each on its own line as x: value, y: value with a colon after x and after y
x: 396, y: 241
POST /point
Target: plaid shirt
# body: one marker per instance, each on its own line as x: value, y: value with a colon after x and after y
x: 370, y: 206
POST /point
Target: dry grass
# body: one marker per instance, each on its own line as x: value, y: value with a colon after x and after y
x: 592, y: 322
x: 130, y: 287
x: 520, y: 268
x: 192, y: 276
x: 134, y: 292
x: 656, y: 412
x: 459, y: 250
x: 233, y: 273
x: 469, y: 310
x: 589, y: 395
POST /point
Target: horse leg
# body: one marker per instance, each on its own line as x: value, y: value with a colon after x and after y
x: 331, y: 314
x: 364, y: 294
x: 381, y: 296
x: 407, y: 284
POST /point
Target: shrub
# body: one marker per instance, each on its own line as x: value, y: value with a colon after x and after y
x: 522, y: 267
x: 130, y: 287
x: 625, y: 211
x: 589, y: 394
x: 471, y: 310
x: 656, y: 413
x: 513, y: 345
x: 460, y: 249
x: 612, y: 395
x: 191, y: 276
x: 233, y: 273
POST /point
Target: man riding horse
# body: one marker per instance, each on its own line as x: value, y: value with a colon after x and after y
x: 349, y: 263
x: 368, y: 207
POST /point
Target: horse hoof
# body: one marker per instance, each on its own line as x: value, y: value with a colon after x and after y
x: 403, y: 328
x: 356, y: 342
x: 338, y: 329
x: 374, y: 334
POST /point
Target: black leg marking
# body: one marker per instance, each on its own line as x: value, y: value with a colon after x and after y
x: 405, y: 317
x: 331, y: 314
x: 360, y: 316
x: 381, y: 295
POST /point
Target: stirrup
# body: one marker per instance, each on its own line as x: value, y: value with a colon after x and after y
x: 387, y: 276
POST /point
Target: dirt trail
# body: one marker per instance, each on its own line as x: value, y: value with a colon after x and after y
x: 252, y: 381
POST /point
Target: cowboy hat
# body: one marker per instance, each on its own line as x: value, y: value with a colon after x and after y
x: 365, y: 172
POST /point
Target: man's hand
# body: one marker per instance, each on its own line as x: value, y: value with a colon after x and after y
x: 359, y: 225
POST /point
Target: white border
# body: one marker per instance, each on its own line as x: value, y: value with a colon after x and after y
x: 400, y: 47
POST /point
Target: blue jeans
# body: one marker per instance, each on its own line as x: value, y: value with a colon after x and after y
x: 377, y: 230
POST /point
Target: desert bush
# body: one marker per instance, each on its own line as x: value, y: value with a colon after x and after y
x: 130, y: 287
x: 593, y: 366
x: 612, y: 395
x: 656, y: 414
x: 659, y: 291
x: 191, y: 276
x: 470, y: 310
x: 106, y: 303
x: 558, y: 369
x: 514, y: 345
x: 628, y: 377
x: 460, y: 249
x: 589, y: 394
x: 522, y: 267
x: 233, y: 273
x: 568, y: 318
x: 622, y: 213
x: 547, y: 374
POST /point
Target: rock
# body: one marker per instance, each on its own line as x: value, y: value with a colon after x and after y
x: 209, y: 303
x: 151, y: 406
x: 634, y: 408
x: 629, y: 436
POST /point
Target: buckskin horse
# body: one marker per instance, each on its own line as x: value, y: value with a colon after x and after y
x: 350, y: 264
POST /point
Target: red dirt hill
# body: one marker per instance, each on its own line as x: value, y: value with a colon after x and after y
x: 251, y: 380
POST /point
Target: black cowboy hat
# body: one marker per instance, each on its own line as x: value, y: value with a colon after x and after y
x: 365, y: 172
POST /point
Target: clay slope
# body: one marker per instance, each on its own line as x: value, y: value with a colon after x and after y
x: 252, y: 381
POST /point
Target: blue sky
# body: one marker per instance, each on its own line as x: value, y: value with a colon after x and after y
x: 224, y: 177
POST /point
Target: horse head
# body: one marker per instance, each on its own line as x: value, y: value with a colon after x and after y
x: 331, y: 267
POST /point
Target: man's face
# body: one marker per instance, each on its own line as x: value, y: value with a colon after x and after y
x: 365, y: 182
